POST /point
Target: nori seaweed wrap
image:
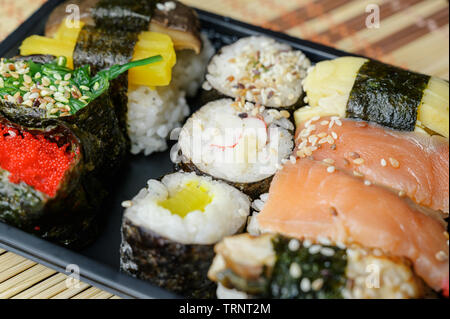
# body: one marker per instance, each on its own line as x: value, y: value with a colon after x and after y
x: 169, y: 230
x: 55, y: 111
x: 173, y: 18
x: 369, y: 90
x: 286, y: 268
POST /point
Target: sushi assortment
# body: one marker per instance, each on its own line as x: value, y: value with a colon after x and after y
x: 151, y: 101
x: 291, y: 181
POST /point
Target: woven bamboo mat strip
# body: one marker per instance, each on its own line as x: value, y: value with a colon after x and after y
x: 24, y: 279
x: 413, y: 34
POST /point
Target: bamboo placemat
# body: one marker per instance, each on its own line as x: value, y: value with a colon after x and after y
x: 412, y: 33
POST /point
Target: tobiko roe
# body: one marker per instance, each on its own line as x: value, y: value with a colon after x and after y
x: 34, y: 160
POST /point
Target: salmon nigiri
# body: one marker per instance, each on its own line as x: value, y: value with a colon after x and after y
x: 310, y: 200
x: 412, y: 164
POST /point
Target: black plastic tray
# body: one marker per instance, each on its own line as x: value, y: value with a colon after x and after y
x: 99, y: 263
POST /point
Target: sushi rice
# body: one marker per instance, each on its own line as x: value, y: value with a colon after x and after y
x: 225, y: 215
x: 260, y: 70
x: 154, y: 112
x: 236, y: 145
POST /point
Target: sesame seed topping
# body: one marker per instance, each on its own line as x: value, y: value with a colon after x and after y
x: 294, y: 245
x: 367, y: 183
x: 329, y: 161
x: 358, y: 161
x: 441, y: 256
x: 383, y: 162
x: 314, y: 249
x: 305, y: 285
x: 358, y: 174
x: 331, y: 169
x: 394, y: 162
x: 328, y: 252
x: 295, y: 270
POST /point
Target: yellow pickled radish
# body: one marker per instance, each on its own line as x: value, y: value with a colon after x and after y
x: 149, y: 44
x: 69, y: 31
x: 156, y: 74
x: 193, y: 197
x: 41, y: 45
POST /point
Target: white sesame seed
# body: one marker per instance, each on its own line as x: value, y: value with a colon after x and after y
x: 57, y: 76
x: 67, y: 76
x: 315, y: 249
x: 324, y: 123
x: 358, y: 161
x: 334, y: 135
x: 305, y: 285
x: 293, y: 160
x: 394, y: 162
x: 324, y: 240
x: 46, y: 82
x: 27, y: 79
x: 37, y: 75
x: 295, y: 270
x: 331, y: 169
x: 441, y: 256
x: 327, y: 251
x: 307, y: 243
x: 367, y: 183
x: 96, y: 86
x: 383, y: 162
x: 294, y: 245
x: 315, y: 118
x: 358, y: 174
x: 329, y: 161
x: 401, y: 194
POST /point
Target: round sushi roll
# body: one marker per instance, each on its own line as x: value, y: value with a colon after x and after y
x: 154, y: 112
x: 279, y: 267
x: 242, y: 146
x: 259, y: 70
x: 170, y: 227
x: 60, y: 143
x: 372, y: 91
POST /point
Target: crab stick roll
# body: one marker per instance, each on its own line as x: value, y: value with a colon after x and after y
x: 243, y: 146
x: 170, y: 228
x: 372, y: 91
x: 259, y: 70
x: 278, y: 267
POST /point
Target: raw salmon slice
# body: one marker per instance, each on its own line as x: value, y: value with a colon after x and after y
x: 412, y: 163
x: 308, y: 200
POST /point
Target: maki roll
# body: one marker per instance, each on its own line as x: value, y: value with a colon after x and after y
x: 259, y: 70
x: 169, y: 230
x: 151, y: 100
x: 372, y: 91
x: 278, y: 267
x: 173, y: 18
x: 60, y: 146
x: 243, y: 146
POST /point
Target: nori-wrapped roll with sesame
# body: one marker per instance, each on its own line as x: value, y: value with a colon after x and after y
x: 169, y: 230
x: 150, y: 101
x: 60, y: 146
x: 277, y: 267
